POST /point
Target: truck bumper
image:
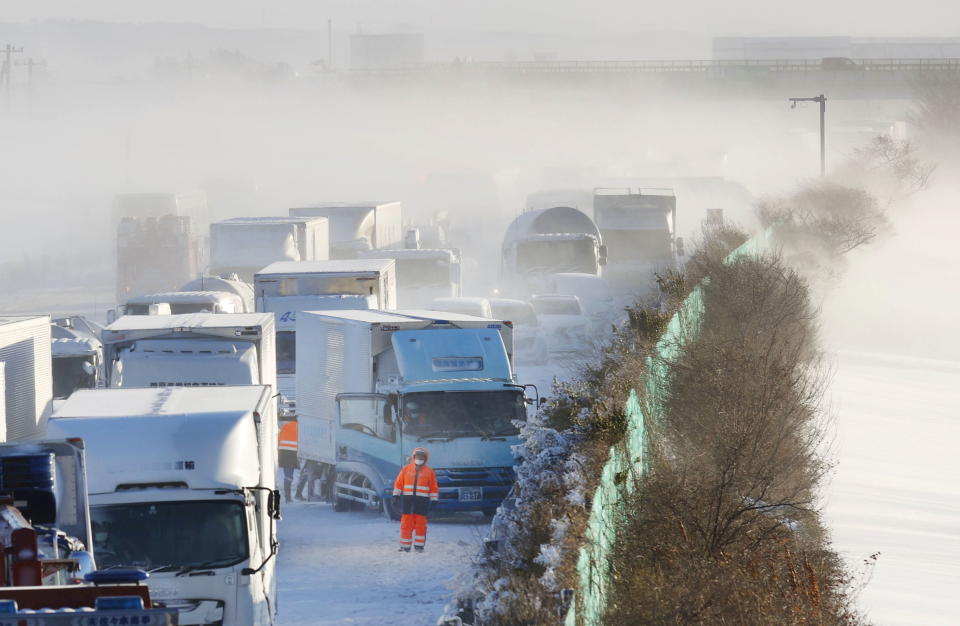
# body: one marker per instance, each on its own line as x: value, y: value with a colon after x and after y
x: 473, y: 489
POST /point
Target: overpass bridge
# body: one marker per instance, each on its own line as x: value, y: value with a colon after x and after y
x: 841, y: 77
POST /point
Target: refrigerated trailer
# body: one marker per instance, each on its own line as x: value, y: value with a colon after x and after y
x: 288, y: 288
x: 194, y: 350
x: 25, y: 352
x: 243, y: 245
x: 358, y: 226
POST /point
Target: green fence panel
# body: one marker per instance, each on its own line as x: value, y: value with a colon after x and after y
x: 628, y: 460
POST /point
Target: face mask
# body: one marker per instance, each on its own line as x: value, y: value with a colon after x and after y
x: 419, y: 461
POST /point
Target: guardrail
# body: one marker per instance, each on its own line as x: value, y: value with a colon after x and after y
x: 837, y: 65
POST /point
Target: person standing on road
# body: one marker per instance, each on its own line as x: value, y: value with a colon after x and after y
x: 416, y: 489
x: 288, y: 455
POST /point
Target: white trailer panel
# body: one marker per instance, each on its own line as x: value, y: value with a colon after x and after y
x: 25, y: 348
x: 164, y: 435
x: 196, y: 329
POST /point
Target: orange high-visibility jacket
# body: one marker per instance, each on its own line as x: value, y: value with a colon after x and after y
x: 288, y: 437
x: 418, y: 486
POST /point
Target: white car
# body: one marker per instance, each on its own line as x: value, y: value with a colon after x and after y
x: 564, y: 323
x: 468, y: 306
x: 529, y: 343
x: 595, y: 299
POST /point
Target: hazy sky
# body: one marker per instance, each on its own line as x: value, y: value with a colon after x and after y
x: 730, y: 17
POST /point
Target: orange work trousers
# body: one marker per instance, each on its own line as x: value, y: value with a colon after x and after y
x: 413, y: 530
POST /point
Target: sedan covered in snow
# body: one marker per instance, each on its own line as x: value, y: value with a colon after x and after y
x: 564, y: 323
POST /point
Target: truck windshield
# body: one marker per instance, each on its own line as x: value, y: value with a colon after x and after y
x: 70, y: 374
x: 637, y: 245
x: 561, y: 255
x: 286, y: 352
x: 463, y: 413
x: 155, y: 535
x: 422, y: 273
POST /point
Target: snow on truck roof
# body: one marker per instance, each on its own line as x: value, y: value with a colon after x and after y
x: 368, y: 316
x: 145, y: 401
x: 347, y: 204
x: 343, y: 266
x: 190, y: 320
x: 24, y: 318
x: 270, y: 219
x: 404, y: 253
x: 201, y: 436
x: 182, y: 297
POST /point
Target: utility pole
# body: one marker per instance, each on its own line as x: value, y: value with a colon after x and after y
x: 31, y: 63
x: 329, y: 45
x: 822, y: 100
x: 8, y: 52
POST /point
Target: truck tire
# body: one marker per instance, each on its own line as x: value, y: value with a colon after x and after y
x: 489, y: 513
x: 341, y: 506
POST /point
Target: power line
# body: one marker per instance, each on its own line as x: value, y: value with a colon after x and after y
x: 5, y: 69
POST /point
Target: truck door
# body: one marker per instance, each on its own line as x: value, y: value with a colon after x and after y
x: 368, y: 432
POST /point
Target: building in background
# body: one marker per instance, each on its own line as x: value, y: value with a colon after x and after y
x: 385, y: 51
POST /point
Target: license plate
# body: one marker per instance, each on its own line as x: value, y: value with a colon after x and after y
x: 471, y: 494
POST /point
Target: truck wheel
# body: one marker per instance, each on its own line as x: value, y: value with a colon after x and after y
x: 489, y: 513
x: 341, y: 505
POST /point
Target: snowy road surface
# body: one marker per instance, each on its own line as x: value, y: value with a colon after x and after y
x: 896, y: 489
x: 344, y: 568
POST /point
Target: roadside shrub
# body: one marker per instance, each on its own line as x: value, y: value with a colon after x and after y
x: 724, y: 528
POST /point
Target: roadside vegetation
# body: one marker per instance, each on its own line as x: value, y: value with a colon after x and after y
x: 724, y: 524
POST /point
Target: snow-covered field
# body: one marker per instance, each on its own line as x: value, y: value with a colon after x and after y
x: 891, y: 324
x: 897, y: 484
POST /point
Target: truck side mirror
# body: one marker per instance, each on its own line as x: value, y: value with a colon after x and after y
x: 680, y: 246
x: 273, y: 504
x: 603, y: 254
x: 111, y: 316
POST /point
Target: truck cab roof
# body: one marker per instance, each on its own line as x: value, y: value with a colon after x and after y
x: 195, y: 437
x: 345, y: 266
x: 188, y: 320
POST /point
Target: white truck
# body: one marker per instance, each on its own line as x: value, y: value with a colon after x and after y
x: 374, y: 385
x: 543, y: 242
x: 243, y: 245
x: 639, y: 228
x: 77, y: 355
x: 195, y: 350
x: 25, y: 355
x: 358, y: 226
x: 288, y: 288
x: 182, y: 484
x: 179, y: 302
x: 423, y: 274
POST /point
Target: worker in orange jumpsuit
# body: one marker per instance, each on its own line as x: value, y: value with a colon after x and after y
x: 288, y: 460
x: 416, y: 489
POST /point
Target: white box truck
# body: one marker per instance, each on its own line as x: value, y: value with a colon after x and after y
x: 25, y: 351
x: 358, y: 226
x: 194, y: 350
x: 423, y: 274
x: 243, y: 245
x: 182, y: 484
x: 374, y: 385
x: 287, y: 288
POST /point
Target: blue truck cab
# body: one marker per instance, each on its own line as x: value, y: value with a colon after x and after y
x: 379, y: 384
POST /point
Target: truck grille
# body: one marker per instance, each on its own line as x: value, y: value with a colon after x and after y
x: 475, y: 476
